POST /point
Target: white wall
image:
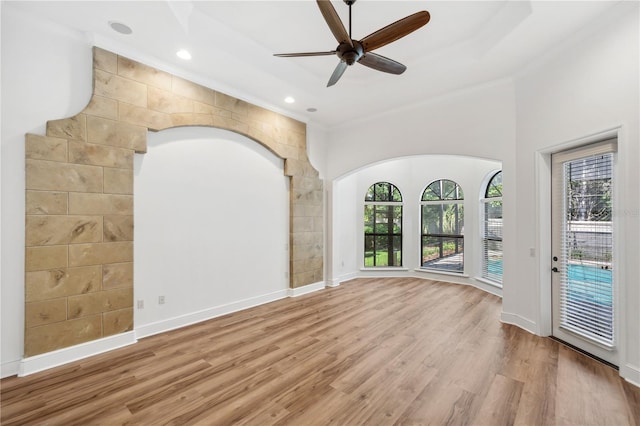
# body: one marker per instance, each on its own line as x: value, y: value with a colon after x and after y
x: 410, y: 175
x: 211, y: 230
x: 32, y: 93
x: 589, y: 87
x: 477, y: 122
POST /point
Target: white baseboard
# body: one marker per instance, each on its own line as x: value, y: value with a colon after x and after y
x: 519, y: 321
x: 335, y: 282
x: 59, y: 357
x: 10, y: 368
x: 309, y: 288
x: 631, y: 374
x: 207, y: 314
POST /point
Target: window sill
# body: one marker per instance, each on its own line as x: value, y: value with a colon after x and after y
x: 434, y: 271
x: 488, y: 282
x: 384, y: 268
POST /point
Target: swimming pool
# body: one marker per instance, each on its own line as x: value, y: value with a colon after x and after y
x: 581, y: 281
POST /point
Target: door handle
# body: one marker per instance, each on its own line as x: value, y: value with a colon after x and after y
x: 554, y: 269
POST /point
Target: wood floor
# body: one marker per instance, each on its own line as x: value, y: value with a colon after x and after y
x: 372, y: 351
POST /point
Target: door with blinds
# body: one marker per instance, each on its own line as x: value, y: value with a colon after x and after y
x: 583, y: 286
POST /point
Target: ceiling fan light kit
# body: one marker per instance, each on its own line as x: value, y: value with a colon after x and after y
x: 350, y: 51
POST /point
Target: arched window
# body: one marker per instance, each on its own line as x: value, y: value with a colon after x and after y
x: 492, y: 230
x: 442, y: 239
x: 383, y: 226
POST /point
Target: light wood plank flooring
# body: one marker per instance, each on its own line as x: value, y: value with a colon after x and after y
x: 372, y: 351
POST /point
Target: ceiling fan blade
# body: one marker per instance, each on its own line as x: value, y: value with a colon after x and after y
x: 393, y: 32
x: 381, y: 63
x: 333, y: 20
x: 293, y: 55
x: 337, y: 73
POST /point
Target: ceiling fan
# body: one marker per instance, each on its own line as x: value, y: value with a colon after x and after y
x: 351, y: 51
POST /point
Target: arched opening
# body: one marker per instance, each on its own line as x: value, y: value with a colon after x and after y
x: 212, y: 222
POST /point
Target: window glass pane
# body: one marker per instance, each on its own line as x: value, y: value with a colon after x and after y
x: 369, y: 250
x: 432, y: 192
x: 449, y: 190
x: 442, y: 190
x: 443, y: 253
x: 383, y: 227
x: 432, y: 219
x: 452, y: 218
x: 492, y: 241
x: 383, y: 191
x: 368, y: 219
x: 493, y: 219
x: 493, y: 260
x: 494, y: 189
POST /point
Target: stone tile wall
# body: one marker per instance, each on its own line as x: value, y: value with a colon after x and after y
x: 79, y: 196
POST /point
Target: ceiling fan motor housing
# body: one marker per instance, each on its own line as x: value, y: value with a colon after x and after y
x: 349, y: 54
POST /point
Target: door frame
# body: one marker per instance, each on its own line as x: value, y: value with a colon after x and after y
x: 543, y: 236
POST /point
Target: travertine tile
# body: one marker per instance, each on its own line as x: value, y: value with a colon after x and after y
x: 118, y: 181
x: 105, y: 61
x: 102, y: 107
x: 118, y: 228
x: 139, y: 116
x: 68, y: 128
x: 115, y: 133
x: 100, y: 253
x: 53, y: 176
x: 232, y: 104
x: 46, y: 202
x: 168, y: 102
x: 143, y: 73
x: 292, y: 152
x: 48, y: 257
x: 115, y: 87
x: 201, y: 108
x: 43, y: 285
x: 193, y: 91
x: 45, y: 312
x: 98, y: 302
x: 302, y: 224
x: 100, y: 155
x: 45, y: 148
x: 187, y: 119
x: 45, y: 230
x: 230, y: 124
x: 260, y: 114
x: 117, y: 275
x: 100, y: 204
x: 289, y: 123
x: 47, y: 338
x: 117, y: 321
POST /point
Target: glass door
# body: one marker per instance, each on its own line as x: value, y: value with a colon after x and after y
x: 583, y: 287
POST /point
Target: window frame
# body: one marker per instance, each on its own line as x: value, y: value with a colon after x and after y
x: 442, y: 200
x: 485, y: 199
x: 391, y: 236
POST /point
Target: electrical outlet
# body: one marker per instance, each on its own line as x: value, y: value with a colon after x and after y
x: 160, y: 300
x: 141, y: 304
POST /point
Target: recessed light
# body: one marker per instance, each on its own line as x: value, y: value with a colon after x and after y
x: 312, y: 109
x: 119, y: 27
x: 183, y: 54
x: 289, y: 100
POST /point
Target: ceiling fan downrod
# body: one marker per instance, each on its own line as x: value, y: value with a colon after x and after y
x: 350, y: 3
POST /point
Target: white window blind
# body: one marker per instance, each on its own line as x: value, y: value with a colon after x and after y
x: 586, y: 285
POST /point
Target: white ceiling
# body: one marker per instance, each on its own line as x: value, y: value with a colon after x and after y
x: 232, y: 43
